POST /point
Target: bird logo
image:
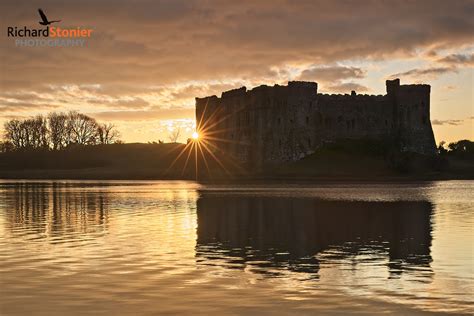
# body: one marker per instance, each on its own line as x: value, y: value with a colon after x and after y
x: 44, y: 19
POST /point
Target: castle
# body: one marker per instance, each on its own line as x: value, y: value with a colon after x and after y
x: 286, y: 123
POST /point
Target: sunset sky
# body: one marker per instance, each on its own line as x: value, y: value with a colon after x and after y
x: 147, y: 60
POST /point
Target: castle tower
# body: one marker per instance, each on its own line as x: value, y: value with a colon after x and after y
x: 411, y: 106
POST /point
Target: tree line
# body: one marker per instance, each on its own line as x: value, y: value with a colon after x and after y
x: 57, y: 131
x: 461, y: 148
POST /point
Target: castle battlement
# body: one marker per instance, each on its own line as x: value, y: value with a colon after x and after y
x: 240, y: 92
x: 347, y: 96
x: 281, y: 123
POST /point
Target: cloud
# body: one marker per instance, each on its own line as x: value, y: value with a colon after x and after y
x: 331, y: 78
x: 446, y: 122
x: 347, y: 87
x: 448, y: 64
x: 331, y: 73
x: 165, y: 42
x: 458, y: 60
x: 130, y: 103
x: 425, y: 72
x: 450, y: 88
x: 21, y: 103
x: 193, y: 90
x: 145, y: 115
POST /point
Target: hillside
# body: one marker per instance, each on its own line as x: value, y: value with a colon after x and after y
x: 114, y: 161
x: 345, y: 160
x: 361, y: 160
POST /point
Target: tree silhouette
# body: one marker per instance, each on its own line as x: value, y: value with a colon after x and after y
x: 57, y: 131
x: 174, y: 135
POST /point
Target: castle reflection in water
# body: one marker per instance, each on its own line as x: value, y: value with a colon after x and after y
x: 272, y: 234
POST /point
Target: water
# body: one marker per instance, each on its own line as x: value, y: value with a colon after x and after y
x: 131, y: 248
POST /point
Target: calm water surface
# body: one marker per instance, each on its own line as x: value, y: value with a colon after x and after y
x: 141, y: 248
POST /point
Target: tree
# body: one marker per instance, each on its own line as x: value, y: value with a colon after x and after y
x: 13, y: 133
x: 29, y: 133
x: 6, y: 146
x: 107, y: 134
x: 174, y: 135
x: 83, y: 129
x: 37, y: 132
x: 59, y: 132
x: 441, y: 148
x: 462, y: 149
x: 462, y: 146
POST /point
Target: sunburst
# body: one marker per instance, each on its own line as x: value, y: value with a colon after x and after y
x: 202, y: 145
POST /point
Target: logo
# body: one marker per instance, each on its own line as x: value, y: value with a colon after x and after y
x: 44, y: 19
x: 52, y: 36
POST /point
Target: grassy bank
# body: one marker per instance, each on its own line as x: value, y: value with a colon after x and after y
x: 346, y: 160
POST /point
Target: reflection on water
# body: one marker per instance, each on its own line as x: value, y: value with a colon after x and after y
x: 53, y: 210
x: 153, y: 247
x: 296, y: 234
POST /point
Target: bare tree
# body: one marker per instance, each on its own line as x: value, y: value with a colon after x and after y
x: 37, y: 132
x: 174, y: 135
x: 59, y: 133
x: 13, y: 133
x: 30, y: 133
x: 107, y: 134
x: 83, y: 129
x: 26, y: 131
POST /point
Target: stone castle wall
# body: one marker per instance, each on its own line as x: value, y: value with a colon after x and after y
x: 285, y: 123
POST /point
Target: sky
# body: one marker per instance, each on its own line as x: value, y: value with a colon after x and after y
x: 146, y: 61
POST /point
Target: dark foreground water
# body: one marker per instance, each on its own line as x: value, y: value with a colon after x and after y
x: 139, y: 248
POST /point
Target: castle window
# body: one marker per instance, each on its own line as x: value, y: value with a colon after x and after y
x: 424, y: 119
x: 386, y: 123
x: 353, y: 124
x: 279, y: 121
x: 307, y: 120
x: 279, y: 142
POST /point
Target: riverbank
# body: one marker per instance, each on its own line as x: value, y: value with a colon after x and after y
x: 176, y: 162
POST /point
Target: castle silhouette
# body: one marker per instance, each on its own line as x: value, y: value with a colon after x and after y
x: 286, y: 123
